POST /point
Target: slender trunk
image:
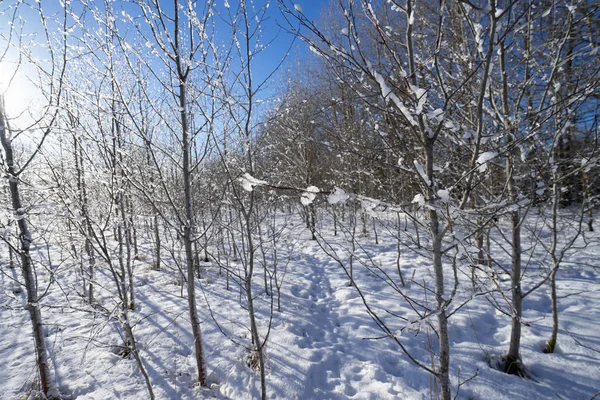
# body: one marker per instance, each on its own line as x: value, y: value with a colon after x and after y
x: 550, y: 345
x: 363, y: 219
x: 264, y: 262
x: 335, y: 221
x: 513, y: 360
x: 33, y: 306
x: 133, y: 230
x: 206, y: 259
x: 512, y: 365
x: 418, y: 236
x: 87, y: 228
x: 313, y: 223
x: 488, y: 248
x: 588, y: 198
x: 375, y: 231
x: 250, y: 298
x: 443, y: 371
x: 132, y: 346
x: 157, y: 243
x: 353, y: 244
x: 398, y: 252
x: 444, y: 356
x: 231, y: 237
x: 197, y: 259
x: 128, y: 259
x: 187, y: 235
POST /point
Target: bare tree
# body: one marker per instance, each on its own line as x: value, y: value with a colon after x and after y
x: 15, y: 167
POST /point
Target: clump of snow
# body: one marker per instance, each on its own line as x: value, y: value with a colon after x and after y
x: 309, y: 195
x: 541, y: 188
x: 298, y: 8
x: 421, y: 95
x: 484, y: 158
x: 438, y: 115
x: 478, y: 38
x: 422, y: 173
x: 338, y: 196
x: 249, y: 182
x: 419, y: 199
x: 444, y: 195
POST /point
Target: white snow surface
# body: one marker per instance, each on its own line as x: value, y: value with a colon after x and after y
x: 322, y: 345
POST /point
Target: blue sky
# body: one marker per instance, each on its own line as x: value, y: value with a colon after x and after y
x: 21, y: 91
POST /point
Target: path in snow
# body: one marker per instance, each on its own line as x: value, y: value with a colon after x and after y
x: 330, y: 357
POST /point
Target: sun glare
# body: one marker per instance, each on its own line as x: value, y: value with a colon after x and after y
x: 17, y: 90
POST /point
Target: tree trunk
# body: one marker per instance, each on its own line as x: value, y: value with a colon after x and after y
x: 156, y: 240
x: 513, y: 358
x: 20, y: 213
x: 187, y: 234
x: 551, y: 344
x: 443, y: 370
x: 132, y: 346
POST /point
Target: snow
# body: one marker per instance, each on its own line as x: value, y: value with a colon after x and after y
x: 478, y: 39
x: 298, y: 8
x: 387, y: 93
x: 444, y: 195
x: 484, y: 158
x: 422, y: 173
x: 309, y: 195
x: 338, y: 196
x: 421, y: 95
x: 323, y: 344
x: 438, y: 115
x: 368, y: 205
x: 419, y: 199
x: 249, y: 182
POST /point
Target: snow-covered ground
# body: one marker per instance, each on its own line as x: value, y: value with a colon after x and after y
x: 323, y: 344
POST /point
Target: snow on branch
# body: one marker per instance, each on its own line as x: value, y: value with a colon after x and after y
x: 387, y: 93
x: 309, y: 195
x: 249, y: 182
x: 484, y: 158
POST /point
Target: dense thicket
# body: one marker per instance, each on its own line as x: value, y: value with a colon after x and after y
x: 450, y: 116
